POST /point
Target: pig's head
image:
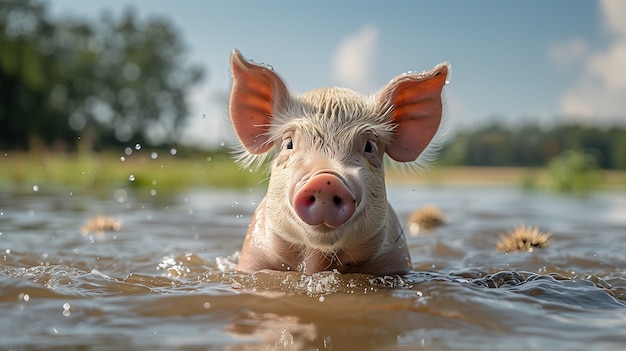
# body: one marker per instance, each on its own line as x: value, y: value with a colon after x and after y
x: 327, y: 188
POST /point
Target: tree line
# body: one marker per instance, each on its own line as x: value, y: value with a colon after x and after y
x: 71, y: 82
x: 533, y: 146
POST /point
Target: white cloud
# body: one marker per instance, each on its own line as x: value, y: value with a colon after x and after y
x: 614, y: 12
x: 599, y: 95
x: 354, y: 58
x: 568, y: 53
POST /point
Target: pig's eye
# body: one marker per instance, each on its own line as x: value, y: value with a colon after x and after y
x: 288, y: 144
x: 369, y: 146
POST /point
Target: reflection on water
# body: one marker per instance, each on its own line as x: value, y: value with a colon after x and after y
x: 166, y: 278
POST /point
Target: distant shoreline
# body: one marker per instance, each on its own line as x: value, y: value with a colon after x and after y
x: 166, y: 172
x: 472, y: 175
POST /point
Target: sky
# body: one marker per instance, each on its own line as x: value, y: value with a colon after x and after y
x: 512, y: 61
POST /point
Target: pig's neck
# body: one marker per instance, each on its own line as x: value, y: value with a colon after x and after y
x: 376, y: 258
x: 286, y: 256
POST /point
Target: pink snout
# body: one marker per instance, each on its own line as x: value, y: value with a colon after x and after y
x: 324, y: 199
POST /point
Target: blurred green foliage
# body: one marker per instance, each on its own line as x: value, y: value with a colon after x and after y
x: 160, y: 171
x: 573, y: 171
x: 533, y: 146
x: 74, y: 83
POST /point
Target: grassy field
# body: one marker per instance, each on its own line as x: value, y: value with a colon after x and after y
x: 529, y: 177
x: 162, y: 171
x: 166, y: 172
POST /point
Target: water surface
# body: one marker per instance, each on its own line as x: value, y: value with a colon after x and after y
x: 166, y: 280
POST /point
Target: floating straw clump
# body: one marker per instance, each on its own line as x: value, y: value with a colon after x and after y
x: 101, y: 224
x: 523, y: 239
x: 425, y: 218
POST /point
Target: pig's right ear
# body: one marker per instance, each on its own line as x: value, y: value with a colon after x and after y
x: 414, y: 103
x: 257, y: 94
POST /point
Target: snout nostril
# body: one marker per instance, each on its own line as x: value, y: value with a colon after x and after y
x: 337, y: 200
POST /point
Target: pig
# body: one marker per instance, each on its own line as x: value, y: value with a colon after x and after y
x: 326, y: 206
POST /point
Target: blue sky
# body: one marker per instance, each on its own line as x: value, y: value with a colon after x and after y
x: 512, y: 61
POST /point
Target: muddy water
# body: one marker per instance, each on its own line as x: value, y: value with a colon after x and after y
x: 166, y: 279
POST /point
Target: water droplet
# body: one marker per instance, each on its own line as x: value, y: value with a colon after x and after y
x: 8, y: 251
x: 154, y: 182
x: 120, y: 195
x: 122, y: 158
x: 131, y: 177
x: 149, y: 217
x: 173, y: 151
x: 153, y: 192
x: 207, y: 305
x: 154, y: 155
x: 321, y: 299
x: 209, y: 159
x: 66, y: 309
x: 35, y: 188
x: 137, y: 146
x: 128, y: 151
x: 222, y: 144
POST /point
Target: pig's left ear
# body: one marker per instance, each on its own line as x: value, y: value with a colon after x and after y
x: 257, y: 94
x: 414, y: 102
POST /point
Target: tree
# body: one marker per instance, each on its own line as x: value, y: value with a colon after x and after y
x: 530, y: 145
x: 109, y: 82
x: 23, y: 72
